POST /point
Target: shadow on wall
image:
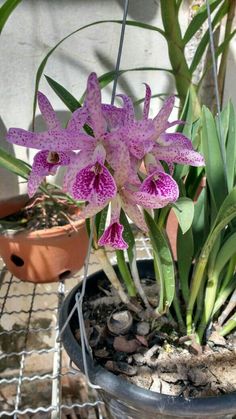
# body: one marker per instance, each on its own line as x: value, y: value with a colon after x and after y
x: 141, y: 10
x: 8, y: 181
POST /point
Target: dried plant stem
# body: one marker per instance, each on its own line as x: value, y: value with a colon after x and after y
x: 230, y: 307
x: 111, y: 275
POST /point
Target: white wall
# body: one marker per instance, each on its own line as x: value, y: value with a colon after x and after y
x: 36, y: 25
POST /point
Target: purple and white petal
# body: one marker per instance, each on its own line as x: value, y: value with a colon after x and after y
x: 34, y: 182
x: 112, y: 237
x: 161, y: 119
x: 119, y: 159
x: 47, y: 111
x: 48, y: 140
x: 139, y: 137
x: 78, y: 119
x: 90, y: 210
x: 156, y: 191
x: 175, y: 139
x: 93, y: 103
x: 174, y: 154
x: 128, y: 108
x: 146, y: 106
x: 114, y: 116
x: 132, y: 211
x: 95, y: 184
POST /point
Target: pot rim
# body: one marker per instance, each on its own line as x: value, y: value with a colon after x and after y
x: 121, y: 389
x: 39, y: 234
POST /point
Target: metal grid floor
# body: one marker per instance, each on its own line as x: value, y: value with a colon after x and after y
x: 36, y: 379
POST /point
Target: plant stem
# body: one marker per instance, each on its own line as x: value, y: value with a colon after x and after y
x: 230, y: 307
x: 124, y: 270
x: 137, y: 282
x: 111, y: 275
x: 181, y: 72
x: 176, y: 305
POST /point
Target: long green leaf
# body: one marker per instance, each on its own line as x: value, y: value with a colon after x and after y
x: 231, y: 148
x: 214, y: 161
x: 6, y: 10
x: 199, y: 19
x: 99, y: 22
x: 205, y: 38
x: 161, y: 249
x: 225, y: 215
x: 67, y: 98
x: 227, y: 250
x: 13, y: 164
x: 185, y: 251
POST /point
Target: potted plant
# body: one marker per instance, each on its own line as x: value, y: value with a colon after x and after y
x: 136, y: 169
x: 42, y: 239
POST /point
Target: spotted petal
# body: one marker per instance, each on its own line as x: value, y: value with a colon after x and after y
x: 132, y: 210
x: 114, y: 116
x: 157, y: 190
x: 58, y: 140
x: 112, y: 236
x: 147, y: 100
x: 174, y: 154
x: 138, y: 137
x: 161, y: 120
x: 95, y: 184
x: 43, y: 165
x: 47, y: 111
x: 78, y: 119
x: 93, y: 102
x: 128, y: 108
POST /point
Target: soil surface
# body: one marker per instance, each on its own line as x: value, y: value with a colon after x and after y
x: 42, y: 212
x: 151, y: 353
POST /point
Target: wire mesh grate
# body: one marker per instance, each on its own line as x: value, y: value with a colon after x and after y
x: 36, y: 379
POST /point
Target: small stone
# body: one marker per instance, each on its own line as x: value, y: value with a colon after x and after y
x: 121, y: 367
x: 217, y: 339
x: 122, y: 344
x: 143, y: 328
x: 120, y: 323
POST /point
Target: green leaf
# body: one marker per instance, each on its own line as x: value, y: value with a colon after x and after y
x: 13, y: 164
x: 128, y: 235
x: 162, y: 251
x: 227, y: 250
x: 99, y: 22
x: 184, y: 211
x: 214, y: 160
x: 108, y: 78
x: 100, y: 221
x: 67, y: 98
x: 231, y: 148
x: 185, y: 251
x: 199, y: 19
x: 6, y: 10
x: 205, y: 38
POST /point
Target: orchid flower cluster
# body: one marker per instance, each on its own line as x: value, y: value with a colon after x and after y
x: 120, y: 163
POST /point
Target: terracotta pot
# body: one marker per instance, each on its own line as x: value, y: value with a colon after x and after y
x: 44, y: 255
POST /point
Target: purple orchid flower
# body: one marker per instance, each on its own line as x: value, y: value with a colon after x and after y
x: 88, y: 177
x: 56, y: 144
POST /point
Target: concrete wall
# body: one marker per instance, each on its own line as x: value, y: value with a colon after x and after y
x: 36, y: 25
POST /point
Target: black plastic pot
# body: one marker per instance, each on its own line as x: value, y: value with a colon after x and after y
x: 127, y: 401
